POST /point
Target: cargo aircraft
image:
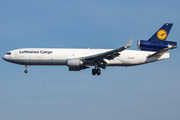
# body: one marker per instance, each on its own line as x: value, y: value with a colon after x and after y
x: 154, y: 49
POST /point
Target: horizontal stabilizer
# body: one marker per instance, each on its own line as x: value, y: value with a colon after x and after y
x: 161, y: 52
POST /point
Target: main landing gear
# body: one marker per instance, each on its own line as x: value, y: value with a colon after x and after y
x: 25, y: 71
x: 96, y: 71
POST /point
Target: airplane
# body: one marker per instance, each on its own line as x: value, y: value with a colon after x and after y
x: 151, y: 50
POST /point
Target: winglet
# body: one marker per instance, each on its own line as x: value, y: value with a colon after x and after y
x: 129, y: 44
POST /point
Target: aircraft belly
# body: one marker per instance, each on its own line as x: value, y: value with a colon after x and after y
x: 41, y: 62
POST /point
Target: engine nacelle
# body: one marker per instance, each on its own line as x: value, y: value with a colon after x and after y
x: 75, y: 64
x: 155, y: 46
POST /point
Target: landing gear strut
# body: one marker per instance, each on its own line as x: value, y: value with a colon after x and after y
x: 25, y: 71
x: 96, y: 70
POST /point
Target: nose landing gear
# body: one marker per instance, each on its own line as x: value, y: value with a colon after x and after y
x: 25, y: 71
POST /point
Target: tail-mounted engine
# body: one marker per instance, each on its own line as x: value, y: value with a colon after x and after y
x: 155, y: 46
x: 75, y: 64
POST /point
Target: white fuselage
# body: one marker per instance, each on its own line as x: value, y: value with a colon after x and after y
x: 44, y: 56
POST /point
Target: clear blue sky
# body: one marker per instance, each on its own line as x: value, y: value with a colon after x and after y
x: 146, y: 92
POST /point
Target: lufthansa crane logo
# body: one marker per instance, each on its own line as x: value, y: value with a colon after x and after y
x: 162, y: 34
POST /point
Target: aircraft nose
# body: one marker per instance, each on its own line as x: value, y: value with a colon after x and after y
x: 4, y: 57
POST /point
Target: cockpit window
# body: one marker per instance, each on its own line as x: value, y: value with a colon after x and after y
x: 9, y: 53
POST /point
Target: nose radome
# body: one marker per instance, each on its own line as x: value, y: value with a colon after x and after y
x: 4, y: 57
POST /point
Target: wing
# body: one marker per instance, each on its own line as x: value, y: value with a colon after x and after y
x: 109, y: 54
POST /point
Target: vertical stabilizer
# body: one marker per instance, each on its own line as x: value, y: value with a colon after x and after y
x: 162, y: 33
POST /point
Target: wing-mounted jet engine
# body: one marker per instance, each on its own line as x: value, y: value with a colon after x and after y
x: 76, y: 64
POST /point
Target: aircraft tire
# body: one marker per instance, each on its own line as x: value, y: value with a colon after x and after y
x: 93, y: 71
x: 98, y: 71
x: 25, y: 71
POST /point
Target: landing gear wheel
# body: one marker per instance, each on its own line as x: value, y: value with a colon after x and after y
x: 98, y: 71
x: 93, y: 71
x: 25, y: 71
